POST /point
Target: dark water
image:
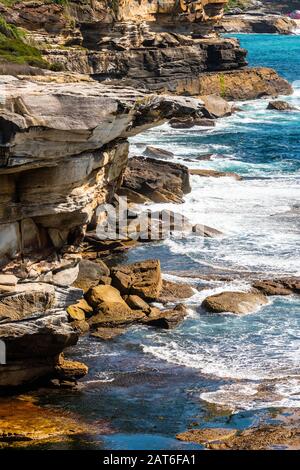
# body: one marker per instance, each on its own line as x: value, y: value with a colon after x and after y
x: 149, y: 385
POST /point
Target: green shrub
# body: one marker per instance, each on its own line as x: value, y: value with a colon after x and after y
x: 13, y: 47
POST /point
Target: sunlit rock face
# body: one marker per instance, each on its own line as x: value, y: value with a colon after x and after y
x: 172, y: 10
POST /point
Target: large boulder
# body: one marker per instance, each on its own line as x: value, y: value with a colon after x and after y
x: 142, y: 279
x: 91, y: 274
x: 156, y: 152
x: 157, y: 180
x: 215, y: 107
x: 234, y: 302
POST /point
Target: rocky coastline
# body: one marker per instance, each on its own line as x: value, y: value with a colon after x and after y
x: 64, y: 152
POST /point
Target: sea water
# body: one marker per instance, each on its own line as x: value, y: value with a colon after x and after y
x: 213, y: 369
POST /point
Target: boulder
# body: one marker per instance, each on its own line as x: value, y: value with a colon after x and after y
x: 215, y: 174
x: 156, y: 152
x: 70, y: 370
x: 166, y: 319
x: 91, y: 274
x: 136, y: 303
x: 285, y: 286
x: 109, y: 308
x: 174, y: 291
x: 80, y: 310
x: 205, y: 231
x: 281, y: 106
x: 215, y: 107
x: 157, y: 180
x: 142, y: 279
x: 176, y: 123
x: 234, y: 302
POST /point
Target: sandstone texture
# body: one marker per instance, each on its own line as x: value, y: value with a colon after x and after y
x: 234, y: 302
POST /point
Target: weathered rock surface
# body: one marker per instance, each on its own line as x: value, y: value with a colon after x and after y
x: 265, y: 23
x: 285, y: 286
x: 234, y: 302
x: 156, y: 152
x: 281, y: 106
x: 142, y: 279
x: 91, y: 274
x: 166, y: 319
x: 79, y: 129
x: 174, y: 291
x: 157, y: 180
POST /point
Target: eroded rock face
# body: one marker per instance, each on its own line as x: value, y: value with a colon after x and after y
x: 142, y: 279
x: 50, y: 130
x: 157, y: 180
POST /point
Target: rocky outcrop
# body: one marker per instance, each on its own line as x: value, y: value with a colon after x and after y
x: 254, y: 23
x: 281, y: 106
x: 79, y: 129
x: 234, y: 302
x: 156, y: 180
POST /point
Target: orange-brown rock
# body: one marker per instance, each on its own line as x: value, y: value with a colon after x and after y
x: 142, y: 279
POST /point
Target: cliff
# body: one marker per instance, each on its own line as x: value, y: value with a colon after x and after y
x: 64, y: 139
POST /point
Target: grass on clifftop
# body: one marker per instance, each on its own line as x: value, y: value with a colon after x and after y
x: 14, y: 49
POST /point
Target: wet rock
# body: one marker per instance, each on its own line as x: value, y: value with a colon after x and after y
x: 174, y: 291
x: 107, y: 334
x: 286, y: 286
x: 155, y: 152
x: 91, y: 274
x: 215, y: 107
x: 104, y: 295
x: 214, y: 174
x: 157, y: 180
x: 235, y: 302
x: 281, y: 106
x: 70, y: 370
x: 182, y: 123
x: 21, y: 420
x: 142, y: 279
x: 33, y: 347
x: 207, y: 435
x: 166, y: 319
x: 205, y: 231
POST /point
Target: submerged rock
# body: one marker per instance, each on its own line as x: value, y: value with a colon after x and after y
x: 234, y: 302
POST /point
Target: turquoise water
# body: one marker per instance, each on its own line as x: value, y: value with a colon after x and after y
x: 213, y: 370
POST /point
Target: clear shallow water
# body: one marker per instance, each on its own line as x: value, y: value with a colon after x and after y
x: 152, y: 384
